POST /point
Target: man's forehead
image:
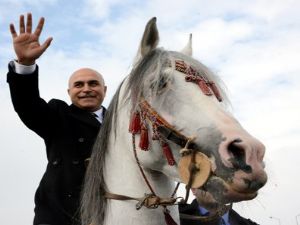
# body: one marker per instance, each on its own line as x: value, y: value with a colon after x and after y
x: 85, y: 77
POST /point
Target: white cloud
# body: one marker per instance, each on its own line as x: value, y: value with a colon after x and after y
x: 270, y: 10
x: 99, y: 9
x: 103, y: 10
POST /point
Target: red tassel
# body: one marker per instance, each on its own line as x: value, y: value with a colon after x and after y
x: 135, y: 123
x: 144, y: 140
x: 168, y: 218
x: 216, y: 91
x: 168, y: 154
x: 204, y: 88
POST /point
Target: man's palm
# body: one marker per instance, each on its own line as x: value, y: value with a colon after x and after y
x: 26, y: 44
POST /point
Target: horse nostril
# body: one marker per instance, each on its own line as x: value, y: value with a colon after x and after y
x: 254, y: 185
x: 238, y: 159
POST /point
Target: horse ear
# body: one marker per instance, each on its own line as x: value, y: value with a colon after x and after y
x: 188, y: 49
x: 150, y: 38
x: 149, y: 41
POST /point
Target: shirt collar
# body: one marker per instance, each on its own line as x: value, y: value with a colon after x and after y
x: 205, y: 212
x: 226, y: 217
x: 99, y: 113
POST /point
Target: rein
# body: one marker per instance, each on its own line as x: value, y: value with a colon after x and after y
x: 149, y: 201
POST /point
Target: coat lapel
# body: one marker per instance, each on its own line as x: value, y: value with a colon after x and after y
x: 84, y: 116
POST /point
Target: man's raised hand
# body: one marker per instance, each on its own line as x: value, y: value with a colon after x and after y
x: 26, y: 44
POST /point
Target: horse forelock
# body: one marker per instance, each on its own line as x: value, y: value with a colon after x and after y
x: 150, y: 64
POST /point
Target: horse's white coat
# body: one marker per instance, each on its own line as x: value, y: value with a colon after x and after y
x: 119, y: 161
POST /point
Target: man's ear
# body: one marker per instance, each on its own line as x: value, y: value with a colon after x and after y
x: 68, y: 91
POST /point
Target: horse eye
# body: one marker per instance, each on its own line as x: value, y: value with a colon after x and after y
x: 162, y: 83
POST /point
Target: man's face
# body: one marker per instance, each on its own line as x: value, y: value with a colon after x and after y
x: 87, y: 89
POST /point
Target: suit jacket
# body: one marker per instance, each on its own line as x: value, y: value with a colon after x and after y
x: 69, y: 134
x: 192, y: 209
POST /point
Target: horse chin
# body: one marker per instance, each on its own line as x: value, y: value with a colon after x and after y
x: 220, y: 192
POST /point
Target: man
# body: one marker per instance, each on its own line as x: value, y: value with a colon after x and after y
x: 68, y: 131
x: 190, y: 212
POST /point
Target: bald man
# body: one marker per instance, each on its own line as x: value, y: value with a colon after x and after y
x: 69, y: 131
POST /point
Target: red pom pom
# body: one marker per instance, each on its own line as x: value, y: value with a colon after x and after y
x: 144, y: 140
x: 135, y: 123
x: 168, y: 154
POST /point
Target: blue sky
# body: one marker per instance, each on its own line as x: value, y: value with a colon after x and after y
x: 253, y: 45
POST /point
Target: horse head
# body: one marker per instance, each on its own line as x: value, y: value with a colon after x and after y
x: 180, y: 129
x: 189, y: 97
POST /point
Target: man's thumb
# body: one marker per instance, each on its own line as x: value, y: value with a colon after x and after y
x: 46, y: 44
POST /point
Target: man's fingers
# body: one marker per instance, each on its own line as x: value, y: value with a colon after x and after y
x: 46, y: 44
x: 13, y: 30
x: 29, y: 23
x: 22, y: 24
x: 39, y: 27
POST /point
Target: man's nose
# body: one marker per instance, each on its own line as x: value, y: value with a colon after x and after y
x: 86, y: 88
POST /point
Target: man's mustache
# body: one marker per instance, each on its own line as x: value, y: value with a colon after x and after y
x: 87, y: 95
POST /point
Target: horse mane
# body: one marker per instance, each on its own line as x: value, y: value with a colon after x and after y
x: 93, y: 202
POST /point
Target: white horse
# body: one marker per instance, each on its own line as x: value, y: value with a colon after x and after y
x: 167, y: 122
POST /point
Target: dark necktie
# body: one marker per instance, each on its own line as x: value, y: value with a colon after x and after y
x: 96, y: 117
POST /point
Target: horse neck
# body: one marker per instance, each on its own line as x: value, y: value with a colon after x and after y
x: 122, y: 176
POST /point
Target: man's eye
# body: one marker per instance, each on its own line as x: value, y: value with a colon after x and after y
x: 77, y: 85
x: 94, y: 84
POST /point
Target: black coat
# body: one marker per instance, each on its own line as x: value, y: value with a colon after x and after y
x: 192, y: 209
x: 69, y: 134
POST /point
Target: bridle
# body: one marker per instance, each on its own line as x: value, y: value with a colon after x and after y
x: 194, y: 166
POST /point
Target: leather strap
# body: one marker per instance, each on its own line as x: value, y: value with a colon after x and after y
x: 149, y: 200
x: 172, y: 136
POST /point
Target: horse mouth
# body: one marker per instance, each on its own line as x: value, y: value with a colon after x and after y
x: 224, y: 192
